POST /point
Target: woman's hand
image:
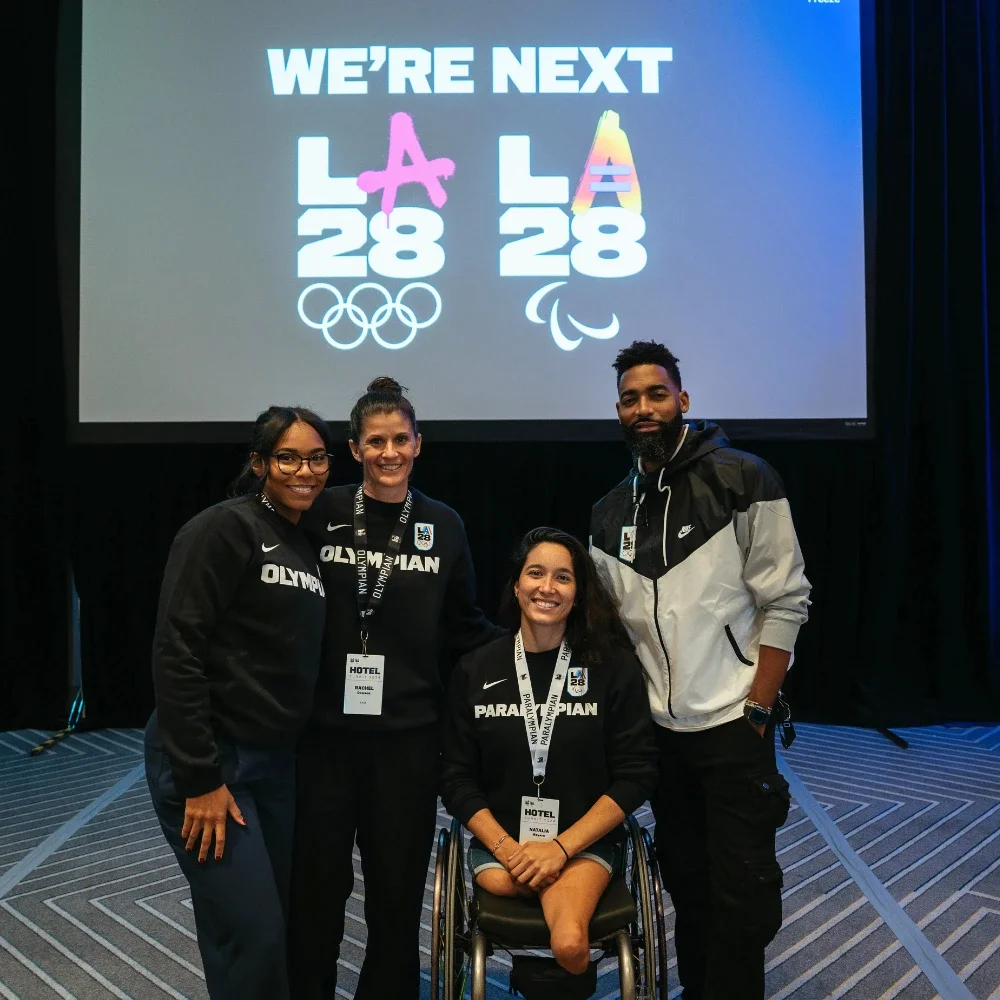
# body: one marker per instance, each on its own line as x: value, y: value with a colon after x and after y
x: 507, y: 851
x: 537, y: 863
x: 205, y: 815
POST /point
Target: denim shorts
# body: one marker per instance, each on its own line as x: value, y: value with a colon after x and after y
x: 606, y: 855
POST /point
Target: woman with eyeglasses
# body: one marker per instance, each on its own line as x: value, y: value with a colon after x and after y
x: 236, y: 654
x: 400, y: 603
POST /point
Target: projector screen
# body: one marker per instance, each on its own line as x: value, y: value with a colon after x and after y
x: 487, y: 201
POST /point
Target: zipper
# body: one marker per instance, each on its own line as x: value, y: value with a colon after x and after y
x: 666, y: 511
x: 656, y: 594
x: 663, y: 646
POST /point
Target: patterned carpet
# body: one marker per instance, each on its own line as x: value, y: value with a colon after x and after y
x: 92, y: 903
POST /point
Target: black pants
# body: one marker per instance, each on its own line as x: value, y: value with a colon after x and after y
x: 719, y: 801
x: 380, y: 787
x: 240, y: 903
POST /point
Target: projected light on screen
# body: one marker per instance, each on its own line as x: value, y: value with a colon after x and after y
x: 487, y: 200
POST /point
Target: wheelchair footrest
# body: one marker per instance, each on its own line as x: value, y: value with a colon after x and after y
x: 537, y: 978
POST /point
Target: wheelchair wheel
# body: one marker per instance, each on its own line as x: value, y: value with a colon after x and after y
x: 437, y: 912
x: 456, y: 918
x: 643, y: 932
x: 660, y: 922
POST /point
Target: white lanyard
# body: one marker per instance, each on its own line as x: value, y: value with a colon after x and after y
x: 540, y: 734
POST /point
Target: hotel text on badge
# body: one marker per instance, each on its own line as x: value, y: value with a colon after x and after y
x: 539, y: 819
x: 363, y: 684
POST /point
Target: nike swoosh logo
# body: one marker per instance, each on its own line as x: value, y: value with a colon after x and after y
x: 334, y: 527
x: 686, y: 530
x: 269, y: 548
x: 494, y: 683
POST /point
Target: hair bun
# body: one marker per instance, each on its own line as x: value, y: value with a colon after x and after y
x: 386, y: 384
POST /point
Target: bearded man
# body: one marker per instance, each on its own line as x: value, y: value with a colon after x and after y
x: 698, y: 546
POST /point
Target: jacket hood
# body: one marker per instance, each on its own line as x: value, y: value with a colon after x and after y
x: 701, y: 437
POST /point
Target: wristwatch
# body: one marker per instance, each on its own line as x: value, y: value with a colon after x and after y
x: 756, y: 715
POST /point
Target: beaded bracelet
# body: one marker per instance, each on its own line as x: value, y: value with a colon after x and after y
x: 498, y: 843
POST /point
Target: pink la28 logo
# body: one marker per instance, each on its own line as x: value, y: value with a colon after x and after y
x: 333, y: 257
x: 403, y: 141
x: 405, y: 239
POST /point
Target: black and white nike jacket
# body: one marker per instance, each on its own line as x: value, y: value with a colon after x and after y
x: 239, y: 631
x: 428, y: 616
x: 704, y: 563
x: 602, y: 742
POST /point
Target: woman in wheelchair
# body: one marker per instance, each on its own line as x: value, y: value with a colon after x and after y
x: 549, y: 742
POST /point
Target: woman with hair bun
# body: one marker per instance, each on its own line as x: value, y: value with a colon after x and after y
x: 235, y: 661
x: 400, y: 605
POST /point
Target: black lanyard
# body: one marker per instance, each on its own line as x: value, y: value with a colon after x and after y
x: 369, y: 601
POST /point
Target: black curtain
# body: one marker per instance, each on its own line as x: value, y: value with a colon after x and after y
x: 901, y: 533
x: 936, y: 649
x: 34, y: 607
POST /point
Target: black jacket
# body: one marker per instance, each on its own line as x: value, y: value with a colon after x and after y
x: 602, y: 743
x: 428, y: 615
x: 236, y: 650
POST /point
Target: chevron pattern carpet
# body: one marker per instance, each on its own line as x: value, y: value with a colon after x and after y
x: 92, y: 904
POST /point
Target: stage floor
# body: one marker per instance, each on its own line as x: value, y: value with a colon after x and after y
x: 92, y: 903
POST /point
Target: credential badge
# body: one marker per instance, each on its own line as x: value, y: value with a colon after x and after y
x: 626, y: 551
x: 423, y: 536
x: 576, y: 681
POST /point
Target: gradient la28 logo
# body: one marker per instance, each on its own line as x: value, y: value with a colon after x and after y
x: 607, y: 236
x: 405, y: 240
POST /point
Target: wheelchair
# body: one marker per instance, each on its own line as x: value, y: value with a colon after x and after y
x: 467, y: 928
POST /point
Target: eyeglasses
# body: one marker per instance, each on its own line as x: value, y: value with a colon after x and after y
x: 289, y: 462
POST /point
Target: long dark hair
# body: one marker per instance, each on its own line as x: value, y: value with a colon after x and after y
x: 384, y: 395
x: 594, y: 627
x: 268, y: 429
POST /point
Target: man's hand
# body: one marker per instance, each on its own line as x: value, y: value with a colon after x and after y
x: 757, y: 727
x: 537, y: 864
x: 205, y: 816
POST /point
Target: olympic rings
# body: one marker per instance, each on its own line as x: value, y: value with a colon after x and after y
x: 359, y: 317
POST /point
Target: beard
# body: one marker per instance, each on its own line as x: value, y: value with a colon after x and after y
x: 654, y: 447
